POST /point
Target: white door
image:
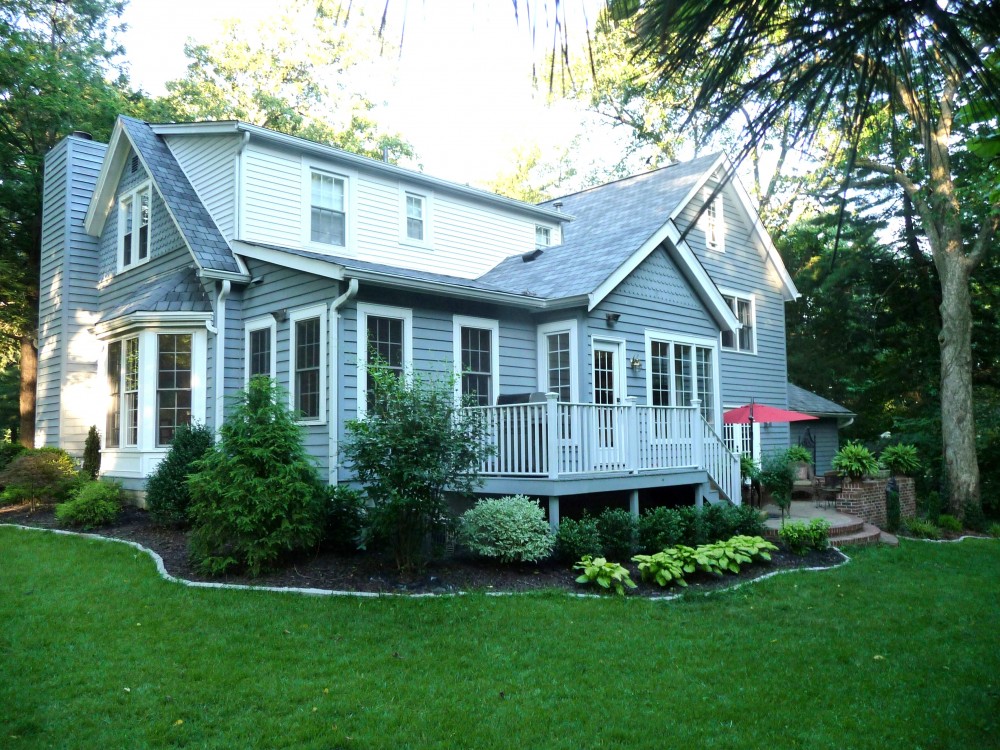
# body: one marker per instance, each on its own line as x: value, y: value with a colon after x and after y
x: 609, y: 394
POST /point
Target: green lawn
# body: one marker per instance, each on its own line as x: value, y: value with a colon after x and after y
x: 899, y: 649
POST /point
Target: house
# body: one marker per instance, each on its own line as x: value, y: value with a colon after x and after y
x: 602, y: 334
x: 821, y: 436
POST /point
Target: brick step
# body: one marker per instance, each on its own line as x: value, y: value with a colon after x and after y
x: 846, y: 528
x: 867, y: 535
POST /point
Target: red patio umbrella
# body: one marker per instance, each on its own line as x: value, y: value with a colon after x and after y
x: 762, y: 413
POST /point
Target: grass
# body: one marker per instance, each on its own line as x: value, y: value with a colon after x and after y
x: 897, y: 649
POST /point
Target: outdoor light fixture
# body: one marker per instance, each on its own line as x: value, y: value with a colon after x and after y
x: 635, y: 363
x: 612, y: 318
x: 280, y: 315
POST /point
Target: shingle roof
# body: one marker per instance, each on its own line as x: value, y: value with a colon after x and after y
x: 174, y: 291
x: 799, y: 399
x: 196, y: 225
x: 612, y: 222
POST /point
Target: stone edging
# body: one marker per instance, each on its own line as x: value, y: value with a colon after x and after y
x: 162, y: 570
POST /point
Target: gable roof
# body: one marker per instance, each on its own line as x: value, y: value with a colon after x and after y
x: 807, y: 402
x: 204, y: 240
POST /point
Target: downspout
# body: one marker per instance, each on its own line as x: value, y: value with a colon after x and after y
x: 333, y: 405
x: 220, y: 353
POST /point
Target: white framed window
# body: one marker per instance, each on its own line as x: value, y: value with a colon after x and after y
x: 476, y: 344
x: 174, y: 390
x: 307, y: 363
x: 260, y: 348
x: 680, y: 370
x: 713, y: 222
x: 543, y: 236
x: 134, y: 220
x: 557, y: 360
x: 415, y: 214
x: 744, y: 307
x: 328, y: 206
x: 387, y: 333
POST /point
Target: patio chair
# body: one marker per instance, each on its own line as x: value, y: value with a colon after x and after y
x: 828, y: 491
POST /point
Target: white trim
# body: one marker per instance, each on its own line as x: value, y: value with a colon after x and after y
x: 463, y: 321
x: 350, y: 179
x: 103, y: 198
x: 305, y: 313
x: 752, y: 299
x: 365, y: 309
x: 117, y: 327
x: 427, y: 216
x: 720, y: 161
x: 718, y: 244
x: 328, y: 269
x: 257, y: 324
x: 131, y: 197
x: 670, y: 338
x: 543, y: 331
x: 621, y: 382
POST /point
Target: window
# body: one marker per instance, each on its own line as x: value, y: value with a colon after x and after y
x: 557, y: 360
x: 679, y: 372
x: 543, y: 236
x: 744, y: 340
x: 328, y: 212
x: 122, y: 428
x: 415, y: 217
x: 173, y: 385
x: 133, y: 227
x: 477, y: 358
x: 385, y: 333
x: 259, y: 348
x: 713, y: 222
x: 308, y: 374
x: 112, y: 429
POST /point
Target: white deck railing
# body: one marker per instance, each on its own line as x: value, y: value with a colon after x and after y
x: 554, y: 440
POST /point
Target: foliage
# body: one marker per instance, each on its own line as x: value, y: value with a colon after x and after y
x: 799, y: 454
x: 749, y: 470
x: 346, y: 515
x: 949, y: 523
x: 778, y: 478
x: 510, y: 529
x: 167, y: 492
x: 8, y: 452
x: 667, y: 566
x: 901, y: 459
x: 255, y: 497
x: 921, y: 528
x: 855, y: 460
x: 39, y: 476
x: 605, y: 574
x: 716, y: 558
x: 660, y: 528
x: 974, y: 518
x: 413, y: 445
x: 801, y: 537
x: 577, y: 538
x: 617, y: 530
x: 994, y: 530
x: 298, y: 72
x: 92, y: 453
x: 893, y: 510
x: 98, y: 503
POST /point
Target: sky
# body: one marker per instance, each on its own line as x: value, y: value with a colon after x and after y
x: 463, y: 94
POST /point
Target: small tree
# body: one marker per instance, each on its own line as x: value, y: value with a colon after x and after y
x: 413, y: 445
x: 778, y: 477
x: 92, y: 453
x: 41, y: 476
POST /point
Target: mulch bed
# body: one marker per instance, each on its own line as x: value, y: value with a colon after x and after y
x: 377, y: 573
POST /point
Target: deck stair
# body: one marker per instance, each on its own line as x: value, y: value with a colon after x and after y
x: 845, y: 530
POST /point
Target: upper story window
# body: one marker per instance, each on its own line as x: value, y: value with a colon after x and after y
x: 714, y: 223
x: 477, y: 359
x: 385, y: 335
x: 744, y: 340
x: 328, y: 209
x: 543, y: 236
x: 557, y: 359
x: 415, y: 217
x: 308, y: 373
x: 133, y: 227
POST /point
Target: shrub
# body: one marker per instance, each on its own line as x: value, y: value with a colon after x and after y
x: 576, y: 539
x: 922, y: 528
x: 255, y: 496
x: 974, y: 517
x: 749, y: 521
x: 92, y: 454
x: 413, y: 445
x: 96, y: 504
x: 8, y: 452
x: 40, y: 476
x: 167, y: 493
x: 749, y: 470
x: 605, y: 574
x: 949, y: 523
x: 695, y: 527
x: 801, y: 537
x: 616, y: 529
x: 722, y: 521
x: 994, y: 530
x: 901, y: 459
x: 892, y: 507
x: 799, y: 454
x: 345, y: 519
x: 509, y: 529
x: 778, y: 478
x: 659, y: 528
x: 667, y: 566
x: 855, y: 460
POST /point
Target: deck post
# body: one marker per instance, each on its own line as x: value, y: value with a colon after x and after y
x: 697, y: 435
x: 552, y: 438
x: 633, y: 504
x: 632, y: 442
x: 554, y: 514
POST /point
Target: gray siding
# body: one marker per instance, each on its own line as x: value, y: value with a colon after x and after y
x: 826, y: 435
x: 209, y: 161
x: 743, y: 267
x: 68, y: 301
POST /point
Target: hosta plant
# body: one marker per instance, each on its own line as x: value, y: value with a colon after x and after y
x: 607, y: 575
x: 856, y: 461
x: 667, y: 566
x: 799, y: 454
x: 901, y: 459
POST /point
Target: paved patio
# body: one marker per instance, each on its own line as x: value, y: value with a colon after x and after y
x: 844, y: 529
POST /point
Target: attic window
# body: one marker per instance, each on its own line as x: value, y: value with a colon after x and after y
x: 134, y: 213
x: 543, y: 236
x: 134, y: 164
x: 713, y: 223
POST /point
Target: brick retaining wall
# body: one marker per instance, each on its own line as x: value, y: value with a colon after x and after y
x: 866, y: 499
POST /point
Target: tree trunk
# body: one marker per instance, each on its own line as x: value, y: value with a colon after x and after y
x: 958, y: 429
x: 29, y: 375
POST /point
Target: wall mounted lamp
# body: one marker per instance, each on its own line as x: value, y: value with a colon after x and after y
x: 635, y: 363
x: 280, y: 315
x: 611, y: 318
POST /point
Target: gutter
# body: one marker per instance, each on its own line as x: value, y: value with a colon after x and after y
x: 220, y: 353
x: 333, y: 402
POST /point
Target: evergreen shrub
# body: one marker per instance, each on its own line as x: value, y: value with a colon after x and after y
x: 660, y: 528
x: 167, y: 494
x: 578, y: 538
x: 509, y: 529
x: 616, y: 530
x: 91, y: 454
x: 98, y: 503
x: 345, y: 519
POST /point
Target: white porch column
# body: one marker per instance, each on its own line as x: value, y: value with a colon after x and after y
x: 632, y: 431
x: 633, y: 504
x: 697, y: 435
x: 554, y: 514
x: 552, y: 438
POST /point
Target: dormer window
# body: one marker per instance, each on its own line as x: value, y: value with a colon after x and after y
x: 415, y: 217
x: 133, y: 227
x: 714, y: 224
x: 328, y: 214
x: 543, y: 236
